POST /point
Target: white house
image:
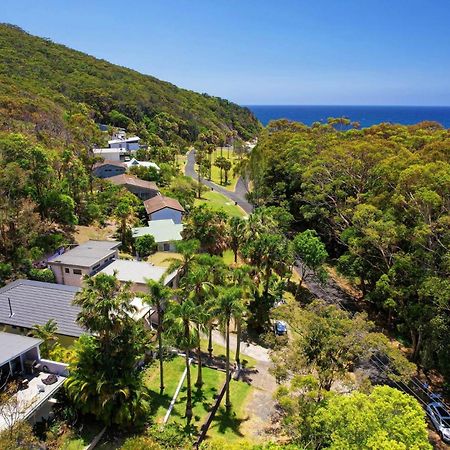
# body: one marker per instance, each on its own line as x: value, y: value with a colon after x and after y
x: 129, y: 144
x: 111, y: 154
x: 135, y: 163
x: 165, y: 232
x: 162, y: 207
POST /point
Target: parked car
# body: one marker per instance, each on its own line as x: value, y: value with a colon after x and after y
x: 440, y: 418
x: 280, y: 328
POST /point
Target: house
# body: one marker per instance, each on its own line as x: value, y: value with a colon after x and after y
x: 143, y: 189
x: 26, y: 303
x: 129, y: 144
x: 85, y: 259
x: 162, y: 207
x: 108, y: 168
x: 138, y: 272
x: 135, y: 163
x: 20, y: 360
x: 111, y: 154
x: 165, y: 232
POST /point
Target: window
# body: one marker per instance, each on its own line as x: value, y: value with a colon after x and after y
x: 76, y: 271
x: 67, y: 270
x: 96, y: 267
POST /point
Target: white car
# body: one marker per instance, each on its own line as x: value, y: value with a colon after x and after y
x: 440, y: 418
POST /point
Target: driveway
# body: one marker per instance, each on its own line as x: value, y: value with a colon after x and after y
x: 238, y: 196
x: 261, y: 405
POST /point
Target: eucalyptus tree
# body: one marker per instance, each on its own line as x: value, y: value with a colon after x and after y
x: 158, y: 296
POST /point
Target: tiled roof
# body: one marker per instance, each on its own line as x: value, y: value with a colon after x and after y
x: 159, y: 202
x: 124, y: 179
x: 35, y: 303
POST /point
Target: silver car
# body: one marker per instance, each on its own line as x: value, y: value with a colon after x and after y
x: 440, y: 418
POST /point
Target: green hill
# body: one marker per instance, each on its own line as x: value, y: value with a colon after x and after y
x: 41, y: 82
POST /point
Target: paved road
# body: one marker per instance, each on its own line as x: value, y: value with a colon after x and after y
x: 237, y: 196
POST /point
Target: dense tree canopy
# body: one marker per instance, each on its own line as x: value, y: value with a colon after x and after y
x: 379, y: 198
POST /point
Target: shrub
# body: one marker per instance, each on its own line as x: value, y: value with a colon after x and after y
x: 145, y: 245
x: 45, y: 275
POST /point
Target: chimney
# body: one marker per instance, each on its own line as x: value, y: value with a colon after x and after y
x: 11, y: 312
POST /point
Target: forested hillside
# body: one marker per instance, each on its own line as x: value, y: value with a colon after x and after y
x: 42, y: 83
x: 380, y: 198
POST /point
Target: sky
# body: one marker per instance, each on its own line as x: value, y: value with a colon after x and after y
x: 328, y: 52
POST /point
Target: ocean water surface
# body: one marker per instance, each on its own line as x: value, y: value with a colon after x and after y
x: 365, y: 115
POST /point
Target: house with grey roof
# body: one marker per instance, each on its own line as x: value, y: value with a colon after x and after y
x: 138, y: 272
x: 107, y: 168
x: 26, y: 303
x: 165, y: 232
x: 85, y: 259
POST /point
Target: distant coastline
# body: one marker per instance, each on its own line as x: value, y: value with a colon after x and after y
x: 365, y: 115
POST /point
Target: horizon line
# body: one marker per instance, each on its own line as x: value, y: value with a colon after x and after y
x: 360, y: 105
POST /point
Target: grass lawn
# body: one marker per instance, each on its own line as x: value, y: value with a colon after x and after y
x: 218, y: 201
x: 228, y: 425
x: 219, y: 351
x: 78, y: 440
x: 84, y: 233
x: 224, y: 425
x: 173, y: 369
x: 159, y: 258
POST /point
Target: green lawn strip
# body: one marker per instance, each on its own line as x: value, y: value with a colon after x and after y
x: 218, y: 201
x: 78, y: 440
x: 202, y: 398
x: 173, y: 369
x: 228, y: 425
x: 219, y: 351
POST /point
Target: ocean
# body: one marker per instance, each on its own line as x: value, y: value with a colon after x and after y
x: 365, y: 115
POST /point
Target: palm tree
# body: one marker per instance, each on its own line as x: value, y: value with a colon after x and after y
x: 229, y: 305
x: 125, y: 213
x: 241, y: 278
x: 158, y: 297
x: 188, y: 250
x: 237, y: 230
x: 180, y: 319
x: 47, y: 333
x: 197, y: 286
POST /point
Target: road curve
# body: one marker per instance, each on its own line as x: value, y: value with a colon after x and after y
x: 238, y: 196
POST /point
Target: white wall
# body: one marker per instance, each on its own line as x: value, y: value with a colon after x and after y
x: 166, y: 213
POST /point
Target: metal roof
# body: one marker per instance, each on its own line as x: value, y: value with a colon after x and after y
x: 35, y: 303
x: 131, y: 180
x: 13, y: 345
x: 137, y: 271
x: 162, y: 230
x: 87, y: 254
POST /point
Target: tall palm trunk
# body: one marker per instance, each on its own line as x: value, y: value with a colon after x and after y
x: 188, y: 376
x: 210, y: 341
x: 199, y: 381
x: 238, y: 342
x: 160, y: 348
x: 227, y: 381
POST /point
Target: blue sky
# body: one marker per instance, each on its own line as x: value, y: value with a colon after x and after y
x: 353, y: 52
